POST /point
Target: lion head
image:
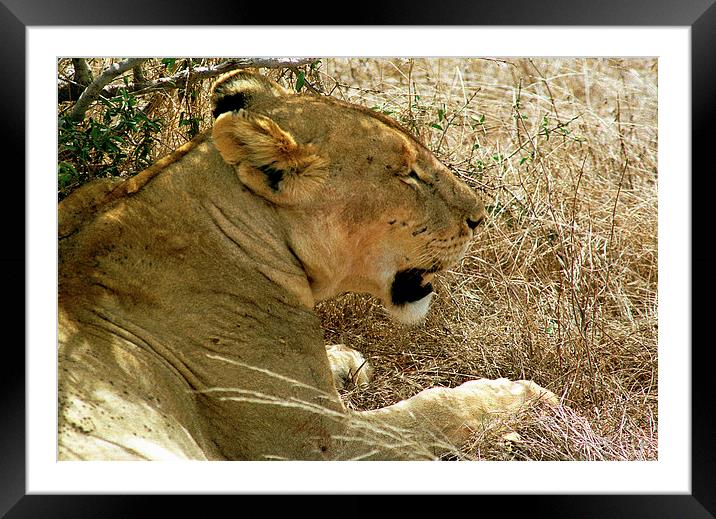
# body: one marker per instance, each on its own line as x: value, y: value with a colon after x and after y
x: 365, y: 206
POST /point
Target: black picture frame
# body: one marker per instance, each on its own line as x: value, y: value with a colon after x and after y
x: 699, y: 15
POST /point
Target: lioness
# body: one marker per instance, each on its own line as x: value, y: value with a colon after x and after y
x: 186, y: 327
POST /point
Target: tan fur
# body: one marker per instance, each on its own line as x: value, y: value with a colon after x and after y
x: 250, y: 141
x: 185, y: 294
x: 247, y: 82
x: 83, y: 203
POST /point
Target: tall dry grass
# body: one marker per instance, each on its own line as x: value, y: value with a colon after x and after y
x: 561, y: 285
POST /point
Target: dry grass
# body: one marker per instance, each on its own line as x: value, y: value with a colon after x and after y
x: 561, y: 286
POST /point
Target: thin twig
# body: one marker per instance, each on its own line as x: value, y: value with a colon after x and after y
x: 447, y: 125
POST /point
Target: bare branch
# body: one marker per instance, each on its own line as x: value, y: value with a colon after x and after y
x: 138, y: 74
x: 94, y: 89
x: 199, y: 73
x: 71, y: 89
x: 83, y: 74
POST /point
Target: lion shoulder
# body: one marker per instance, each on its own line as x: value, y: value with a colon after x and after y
x: 95, y: 196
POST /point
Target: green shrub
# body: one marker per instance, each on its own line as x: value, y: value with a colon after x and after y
x: 117, y: 138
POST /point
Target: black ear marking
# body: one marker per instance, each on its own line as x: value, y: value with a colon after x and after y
x: 273, y: 176
x: 230, y: 103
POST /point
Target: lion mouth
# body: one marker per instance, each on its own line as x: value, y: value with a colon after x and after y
x: 411, y: 285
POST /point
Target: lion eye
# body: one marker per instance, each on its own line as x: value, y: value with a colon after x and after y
x: 412, y: 179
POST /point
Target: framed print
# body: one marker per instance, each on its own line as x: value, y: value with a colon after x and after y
x: 642, y: 71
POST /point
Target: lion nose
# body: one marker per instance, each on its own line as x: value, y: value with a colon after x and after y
x: 477, y: 217
x: 474, y: 223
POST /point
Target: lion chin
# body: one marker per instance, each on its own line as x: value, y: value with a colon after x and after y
x: 410, y: 313
x: 410, y: 295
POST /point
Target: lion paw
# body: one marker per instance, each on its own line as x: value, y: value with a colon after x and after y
x: 348, y: 366
x: 505, y: 396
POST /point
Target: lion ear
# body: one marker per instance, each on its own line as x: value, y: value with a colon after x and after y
x: 268, y: 160
x: 240, y: 89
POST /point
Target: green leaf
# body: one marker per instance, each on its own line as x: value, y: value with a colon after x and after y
x: 169, y: 63
x: 300, y: 81
x: 479, y: 121
x: 437, y: 126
